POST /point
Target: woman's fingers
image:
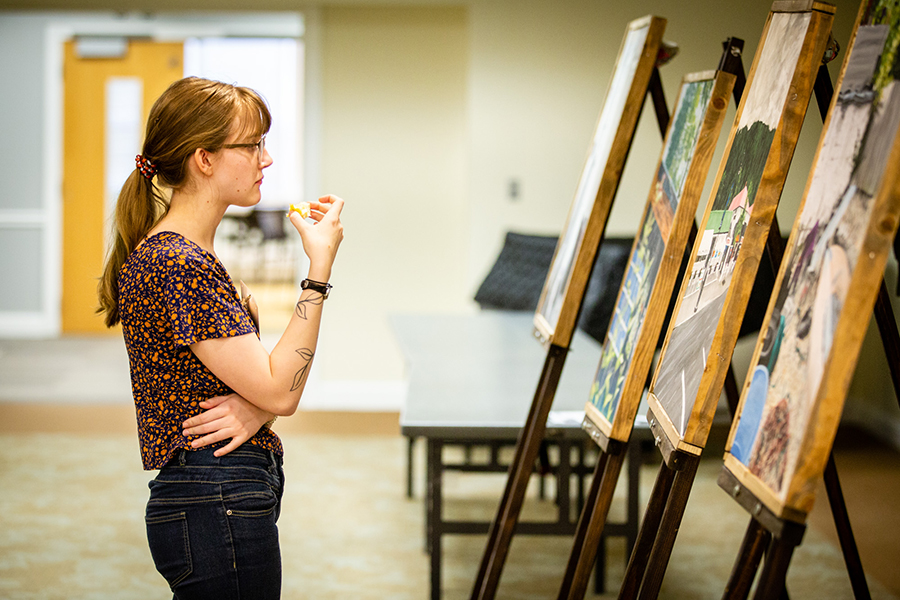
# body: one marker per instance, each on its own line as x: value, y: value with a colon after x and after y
x: 325, y: 205
x: 212, y: 438
x: 216, y: 424
x: 233, y: 444
x: 206, y: 416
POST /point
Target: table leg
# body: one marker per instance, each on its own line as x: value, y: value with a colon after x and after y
x: 581, y: 476
x: 410, y: 447
x: 563, y: 481
x: 434, y: 513
x: 429, y: 476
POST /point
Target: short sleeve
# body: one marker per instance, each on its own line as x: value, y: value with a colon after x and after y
x: 200, y: 303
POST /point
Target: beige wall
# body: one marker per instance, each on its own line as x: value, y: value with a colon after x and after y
x: 394, y: 136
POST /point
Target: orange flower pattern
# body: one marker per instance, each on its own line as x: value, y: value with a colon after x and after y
x: 173, y: 293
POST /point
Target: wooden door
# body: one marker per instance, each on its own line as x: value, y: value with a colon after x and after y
x: 84, y: 220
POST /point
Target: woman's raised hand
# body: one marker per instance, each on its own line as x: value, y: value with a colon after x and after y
x: 322, y: 238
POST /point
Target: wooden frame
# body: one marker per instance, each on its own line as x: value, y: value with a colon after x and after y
x: 696, y: 355
x: 657, y: 252
x: 563, y: 291
x: 804, y: 359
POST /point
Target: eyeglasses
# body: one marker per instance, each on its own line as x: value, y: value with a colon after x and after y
x: 260, y: 147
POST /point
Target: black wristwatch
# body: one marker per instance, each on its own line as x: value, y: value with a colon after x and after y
x: 316, y: 286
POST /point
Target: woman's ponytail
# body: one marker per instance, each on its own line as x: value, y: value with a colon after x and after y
x: 138, y: 209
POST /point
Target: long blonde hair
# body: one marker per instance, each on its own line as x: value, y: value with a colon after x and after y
x: 192, y: 113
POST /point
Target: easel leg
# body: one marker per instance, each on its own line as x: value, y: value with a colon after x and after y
x: 887, y: 326
x: 732, y: 393
x: 655, y: 89
x: 772, y: 579
x: 845, y: 533
x: 750, y: 555
x: 635, y: 458
x: 637, y: 564
x: 582, y: 558
x: 668, y: 529
x: 504, y: 523
x: 583, y: 525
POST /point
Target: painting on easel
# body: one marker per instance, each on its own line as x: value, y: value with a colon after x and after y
x: 792, y: 401
x: 575, y: 252
x: 662, y: 236
x: 685, y: 391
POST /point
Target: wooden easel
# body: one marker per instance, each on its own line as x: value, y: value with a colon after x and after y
x: 649, y: 559
x: 778, y: 535
x: 528, y: 444
x: 588, y: 536
x: 670, y: 493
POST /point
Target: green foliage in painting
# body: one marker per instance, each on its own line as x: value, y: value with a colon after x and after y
x: 745, y: 165
x: 887, y: 12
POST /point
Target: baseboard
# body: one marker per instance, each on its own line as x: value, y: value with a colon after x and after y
x: 119, y: 419
x: 32, y: 325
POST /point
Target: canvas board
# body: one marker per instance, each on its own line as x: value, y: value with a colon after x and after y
x: 656, y: 256
x: 697, y: 353
x: 576, y: 250
x: 791, y: 403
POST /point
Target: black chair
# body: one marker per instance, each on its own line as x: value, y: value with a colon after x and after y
x: 515, y: 280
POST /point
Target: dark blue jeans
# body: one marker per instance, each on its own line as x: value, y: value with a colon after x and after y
x: 211, y: 524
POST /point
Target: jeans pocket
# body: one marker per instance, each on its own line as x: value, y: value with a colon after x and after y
x: 170, y: 546
x: 260, y: 503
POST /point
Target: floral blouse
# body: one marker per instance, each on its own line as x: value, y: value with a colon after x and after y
x: 173, y: 293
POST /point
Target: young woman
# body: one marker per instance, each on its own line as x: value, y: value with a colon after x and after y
x: 204, y: 387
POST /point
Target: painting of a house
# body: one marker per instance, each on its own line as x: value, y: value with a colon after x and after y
x: 775, y: 80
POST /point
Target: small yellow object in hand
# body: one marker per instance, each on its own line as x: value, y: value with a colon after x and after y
x: 302, y: 208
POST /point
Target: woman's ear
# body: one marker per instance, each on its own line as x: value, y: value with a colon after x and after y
x: 202, y: 160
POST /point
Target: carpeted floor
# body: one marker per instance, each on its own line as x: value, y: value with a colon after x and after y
x: 71, y: 526
x: 72, y: 496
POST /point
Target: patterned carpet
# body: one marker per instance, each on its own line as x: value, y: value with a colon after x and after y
x: 71, y: 527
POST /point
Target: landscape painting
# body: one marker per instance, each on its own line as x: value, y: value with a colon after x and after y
x: 678, y: 376
x: 573, y: 234
x: 794, y: 349
x: 628, y: 319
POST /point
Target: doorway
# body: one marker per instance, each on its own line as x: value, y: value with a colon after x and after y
x: 88, y: 81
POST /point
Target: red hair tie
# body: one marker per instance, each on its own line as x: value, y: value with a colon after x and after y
x: 147, y: 168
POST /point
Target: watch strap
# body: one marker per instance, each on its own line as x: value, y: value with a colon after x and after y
x: 316, y: 286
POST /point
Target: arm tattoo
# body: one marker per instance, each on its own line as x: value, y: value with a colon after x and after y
x: 300, y: 376
x: 313, y: 299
